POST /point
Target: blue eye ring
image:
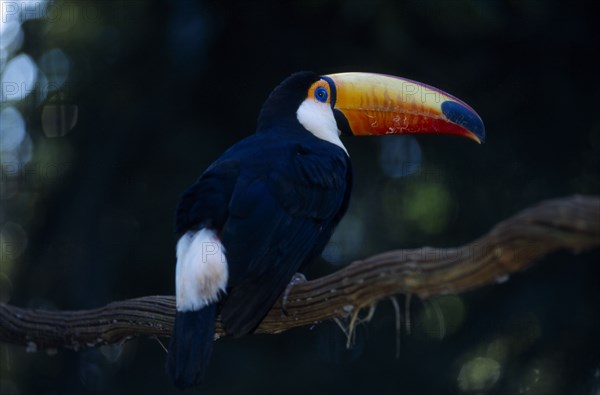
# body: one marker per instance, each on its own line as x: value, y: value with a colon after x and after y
x: 321, y: 94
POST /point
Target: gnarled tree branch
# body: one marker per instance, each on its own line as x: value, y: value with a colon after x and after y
x: 571, y: 223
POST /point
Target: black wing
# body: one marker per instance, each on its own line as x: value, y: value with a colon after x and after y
x: 276, y: 224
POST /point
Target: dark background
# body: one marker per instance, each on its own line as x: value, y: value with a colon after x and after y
x: 155, y: 91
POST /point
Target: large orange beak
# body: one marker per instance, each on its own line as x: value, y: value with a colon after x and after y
x: 376, y: 104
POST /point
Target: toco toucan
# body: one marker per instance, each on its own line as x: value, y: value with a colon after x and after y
x: 267, y: 207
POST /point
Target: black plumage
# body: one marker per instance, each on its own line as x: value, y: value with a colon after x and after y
x: 273, y: 200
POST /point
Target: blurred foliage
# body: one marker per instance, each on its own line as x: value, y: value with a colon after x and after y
x: 110, y: 109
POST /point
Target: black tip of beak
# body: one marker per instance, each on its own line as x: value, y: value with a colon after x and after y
x: 465, y: 117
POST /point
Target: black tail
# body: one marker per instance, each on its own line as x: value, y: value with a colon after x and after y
x: 191, y: 345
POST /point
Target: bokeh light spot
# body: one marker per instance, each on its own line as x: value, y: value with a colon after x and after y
x: 10, y: 32
x: 58, y: 118
x: 442, y: 316
x: 18, y: 78
x: 427, y: 206
x: 346, y: 242
x: 12, y: 129
x: 478, y: 375
x: 400, y: 156
x: 498, y: 349
x: 55, y: 66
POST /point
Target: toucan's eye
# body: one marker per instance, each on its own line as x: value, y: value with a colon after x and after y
x: 321, y: 94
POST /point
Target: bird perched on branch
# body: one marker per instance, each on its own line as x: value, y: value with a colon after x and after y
x: 268, y: 206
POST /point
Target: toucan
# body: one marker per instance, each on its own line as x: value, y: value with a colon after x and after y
x: 267, y: 207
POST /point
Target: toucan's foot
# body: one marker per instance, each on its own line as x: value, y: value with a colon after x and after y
x: 298, y: 278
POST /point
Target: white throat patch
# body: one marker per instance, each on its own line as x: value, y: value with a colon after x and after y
x: 201, y: 270
x: 318, y: 119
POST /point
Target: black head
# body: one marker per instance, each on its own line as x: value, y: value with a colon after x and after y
x: 283, y: 102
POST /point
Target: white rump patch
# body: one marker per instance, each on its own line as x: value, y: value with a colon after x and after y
x: 317, y: 118
x: 201, y: 270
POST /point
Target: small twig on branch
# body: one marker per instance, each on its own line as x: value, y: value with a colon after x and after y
x: 571, y: 223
